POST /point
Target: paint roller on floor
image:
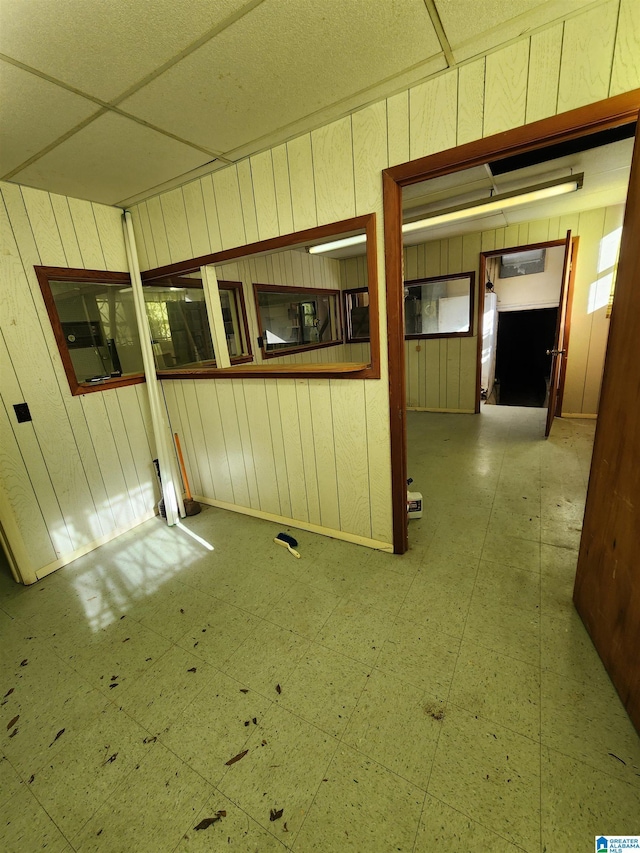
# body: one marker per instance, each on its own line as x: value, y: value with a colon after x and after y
x: 191, y: 507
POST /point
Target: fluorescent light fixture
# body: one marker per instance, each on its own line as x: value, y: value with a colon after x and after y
x: 498, y: 202
x: 356, y: 240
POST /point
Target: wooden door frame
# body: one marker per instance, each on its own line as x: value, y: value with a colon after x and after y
x: 603, y: 115
x: 512, y: 250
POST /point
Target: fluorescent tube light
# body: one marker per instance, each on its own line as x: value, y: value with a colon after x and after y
x: 498, y: 202
x: 356, y: 240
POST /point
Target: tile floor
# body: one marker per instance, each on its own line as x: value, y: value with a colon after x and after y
x: 446, y: 700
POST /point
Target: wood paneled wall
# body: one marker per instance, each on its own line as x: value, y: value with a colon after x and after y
x: 441, y: 374
x: 81, y: 471
x: 332, y: 173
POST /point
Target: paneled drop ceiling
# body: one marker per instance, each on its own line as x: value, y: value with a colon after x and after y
x: 113, y: 100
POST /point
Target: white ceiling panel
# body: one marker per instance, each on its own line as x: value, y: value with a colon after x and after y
x: 103, y: 47
x: 109, y: 160
x: 285, y: 60
x: 24, y: 100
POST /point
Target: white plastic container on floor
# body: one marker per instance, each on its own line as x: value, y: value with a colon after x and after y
x: 414, y: 504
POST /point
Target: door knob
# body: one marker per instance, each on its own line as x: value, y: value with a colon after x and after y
x: 556, y: 351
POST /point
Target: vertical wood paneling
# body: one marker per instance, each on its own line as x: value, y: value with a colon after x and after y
x: 323, y: 432
x: 433, y: 114
x: 62, y: 214
x: 183, y: 426
x: 255, y: 398
x: 278, y: 446
x: 398, y: 128
x: 282, y: 187
x: 196, y: 218
x: 505, y: 94
x: 308, y: 449
x: 109, y: 225
x: 218, y: 454
x: 587, y: 54
x: 227, y: 193
x: 175, y: 223
x: 352, y: 463
x: 303, y: 192
x: 138, y: 440
x: 44, y: 227
x: 544, y: 73
x: 264, y: 190
x: 470, y: 101
x: 211, y: 213
x: 123, y: 454
x: 291, y: 433
x: 145, y: 226
x: 370, y: 155
x: 159, y: 231
x: 626, y: 56
x: 199, y: 472
x: 333, y: 171
x: 86, y: 231
x: 247, y: 201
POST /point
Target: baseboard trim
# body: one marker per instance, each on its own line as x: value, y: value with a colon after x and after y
x: 579, y: 415
x: 300, y: 525
x: 91, y: 546
x: 446, y: 411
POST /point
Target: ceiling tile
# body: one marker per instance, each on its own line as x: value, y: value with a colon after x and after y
x: 25, y: 99
x: 103, y: 47
x: 464, y: 19
x: 283, y: 61
x: 111, y: 159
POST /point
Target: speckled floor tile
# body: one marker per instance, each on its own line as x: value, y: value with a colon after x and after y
x: 324, y: 688
x: 302, y: 608
x: 10, y: 782
x: 252, y: 588
x: 216, y: 725
x: 361, y: 806
x: 29, y: 828
x: 356, y: 630
x: 215, y: 638
x: 397, y: 725
x: 439, y: 604
x: 580, y: 803
x: 444, y: 828
x: 266, y: 657
x: 420, y: 657
x: 233, y: 831
x: 588, y: 723
x: 498, y: 688
x: 509, y: 629
x: 165, y: 689
x: 508, y: 585
x: 491, y: 774
x: 173, y: 609
x: 512, y: 551
x: 286, y: 760
x: 380, y: 588
x: 74, y: 783
x: 150, y: 811
x: 567, y: 648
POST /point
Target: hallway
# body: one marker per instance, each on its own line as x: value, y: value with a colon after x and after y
x: 446, y: 699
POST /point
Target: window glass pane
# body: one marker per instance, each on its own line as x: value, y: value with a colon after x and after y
x: 99, y: 326
x: 357, y: 314
x: 439, y: 306
x: 292, y: 319
x: 180, y: 333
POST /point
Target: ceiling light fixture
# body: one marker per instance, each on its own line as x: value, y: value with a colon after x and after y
x: 560, y: 186
x: 356, y: 240
x: 471, y: 209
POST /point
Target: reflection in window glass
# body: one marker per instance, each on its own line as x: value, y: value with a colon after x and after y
x: 356, y: 303
x: 99, y: 326
x: 439, y: 306
x: 180, y: 330
x: 294, y: 319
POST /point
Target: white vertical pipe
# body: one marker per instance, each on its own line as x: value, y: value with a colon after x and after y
x: 159, y: 419
x: 216, y: 320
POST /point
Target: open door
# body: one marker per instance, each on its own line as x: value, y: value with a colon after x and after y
x: 607, y: 589
x: 559, y: 350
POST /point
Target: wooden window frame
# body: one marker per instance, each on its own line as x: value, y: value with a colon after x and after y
x: 349, y: 370
x: 348, y: 337
x: 602, y: 115
x: 196, y: 284
x: 47, y: 274
x: 283, y: 288
x: 449, y: 277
